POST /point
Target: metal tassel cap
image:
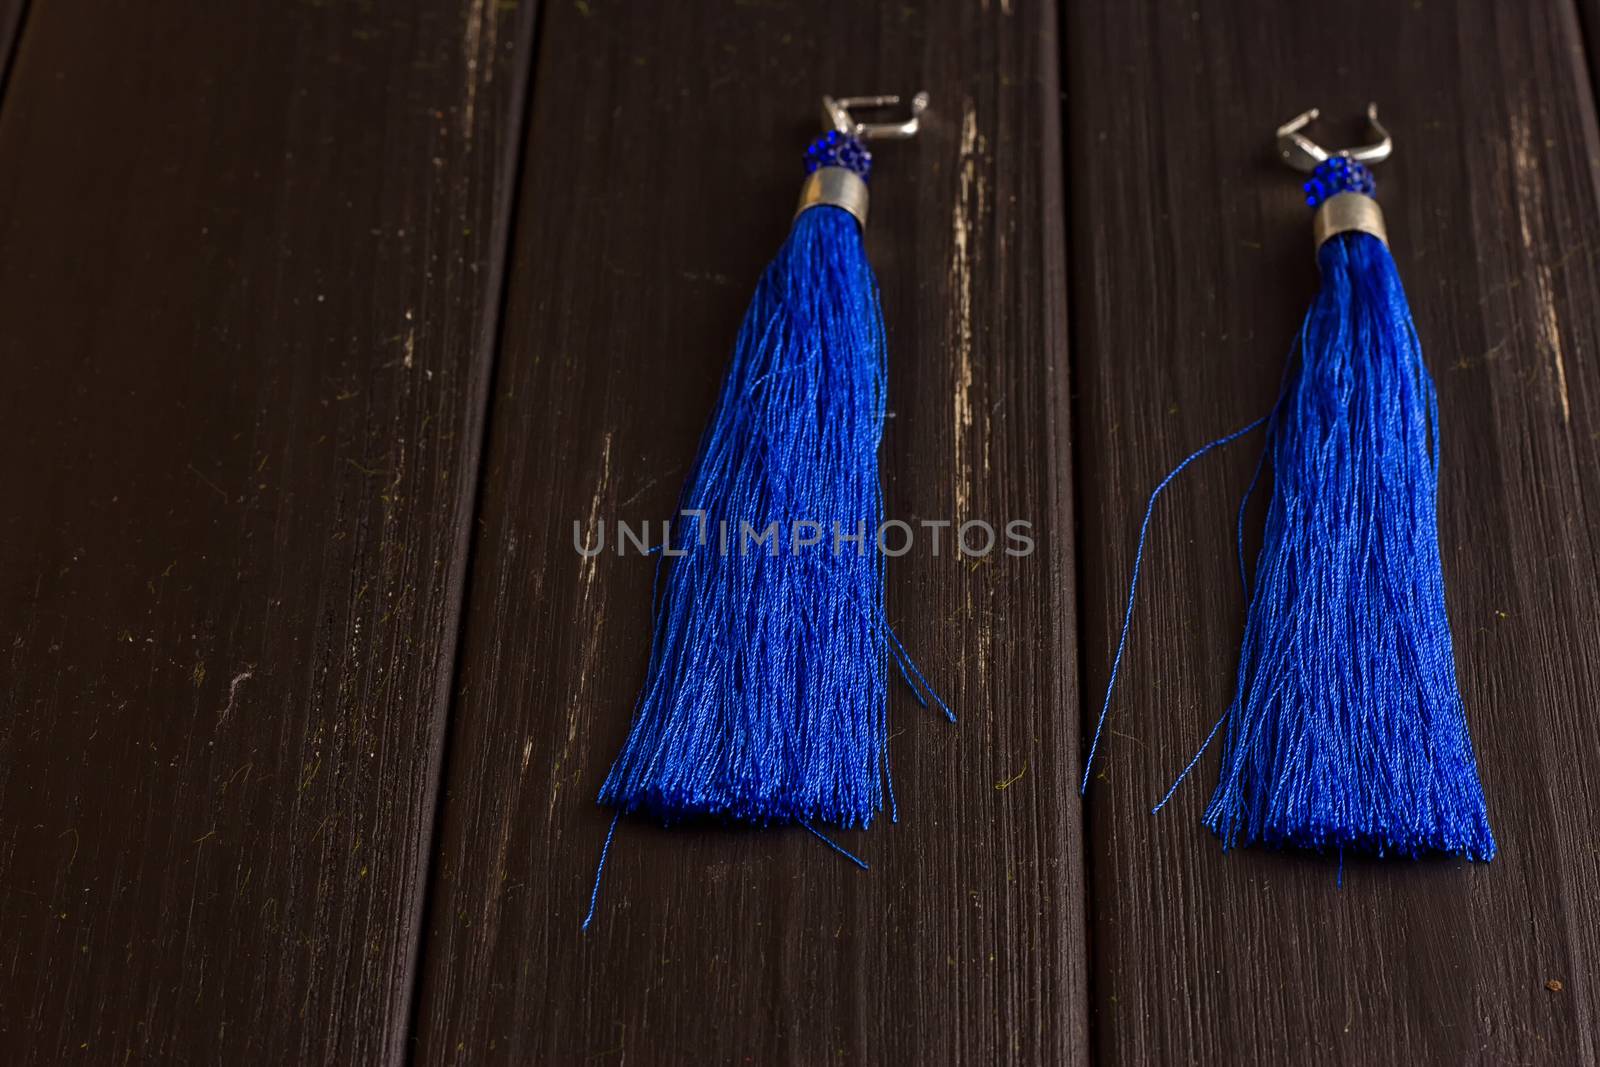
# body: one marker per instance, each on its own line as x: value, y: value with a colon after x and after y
x: 1341, y: 187
x: 835, y: 187
x: 1348, y: 213
x: 838, y: 163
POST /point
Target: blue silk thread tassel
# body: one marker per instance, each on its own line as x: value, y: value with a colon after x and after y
x: 1347, y: 728
x: 765, y: 698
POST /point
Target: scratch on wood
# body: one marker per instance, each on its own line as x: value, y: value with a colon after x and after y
x: 966, y: 225
x: 209, y: 484
x: 243, y: 769
x: 76, y: 840
x: 482, y: 27
x: 964, y: 216
x: 587, y: 565
x: 646, y: 487
x: 591, y: 646
x: 233, y: 693
x: 1525, y: 166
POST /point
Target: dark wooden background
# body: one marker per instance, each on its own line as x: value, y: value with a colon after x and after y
x: 323, y: 321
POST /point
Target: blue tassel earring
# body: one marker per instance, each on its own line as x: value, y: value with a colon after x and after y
x: 765, y: 697
x: 1347, y: 728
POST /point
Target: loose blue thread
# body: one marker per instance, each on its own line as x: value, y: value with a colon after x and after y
x: 1133, y: 589
x: 600, y: 869
x: 840, y: 849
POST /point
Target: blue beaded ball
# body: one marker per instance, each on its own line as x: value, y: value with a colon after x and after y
x: 1338, y: 174
x: 835, y: 149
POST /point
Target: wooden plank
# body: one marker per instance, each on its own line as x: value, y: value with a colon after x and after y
x: 247, y: 300
x: 1192, y: 267
x: 654, y: 198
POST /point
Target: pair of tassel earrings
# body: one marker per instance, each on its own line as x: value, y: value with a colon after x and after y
x: 765, y: 698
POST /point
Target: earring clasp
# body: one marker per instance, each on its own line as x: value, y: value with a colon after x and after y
x: 1303, y: 154
x: 836, y: 113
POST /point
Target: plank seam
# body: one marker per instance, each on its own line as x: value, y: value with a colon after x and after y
x: 1076, y: 491
x: 492, y: 336
x: 13, y: 46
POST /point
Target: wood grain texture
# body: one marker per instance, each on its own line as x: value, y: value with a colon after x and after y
x: 249, y: 260
x: 1192, y: 265
x: 654, y: 198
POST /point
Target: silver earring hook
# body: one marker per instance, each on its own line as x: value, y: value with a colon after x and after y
x: 1303, y: 154
x: 836, y: 113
